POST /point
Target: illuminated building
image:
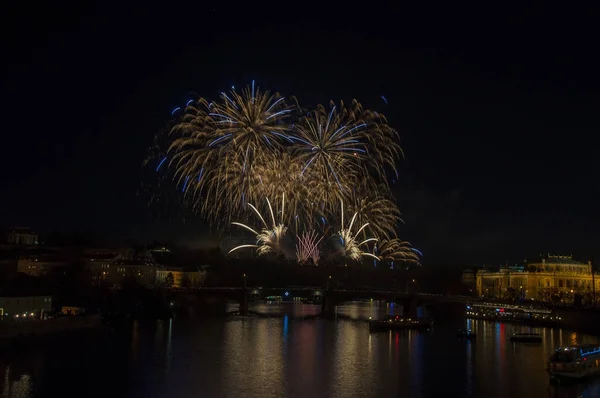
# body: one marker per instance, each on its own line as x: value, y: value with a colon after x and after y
x: 552, y: 278
x: 20, y: 306
x: 21, y: 294
x: 22, y: 236
x: 146, y: 268
x: 135, y: 271
x: 181, y: 277
x: 468, y: 277
x: 160, y: 249
x: 98, y: 263
x: 40, y: 264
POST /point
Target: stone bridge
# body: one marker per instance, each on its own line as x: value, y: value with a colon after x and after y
x: 328, y: 297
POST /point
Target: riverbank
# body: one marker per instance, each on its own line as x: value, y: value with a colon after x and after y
x: 11, y: 332
x: 580, y: 319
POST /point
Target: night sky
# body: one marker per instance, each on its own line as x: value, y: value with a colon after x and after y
x: 497, y: 109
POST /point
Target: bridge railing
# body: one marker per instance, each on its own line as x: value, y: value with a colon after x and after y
x: 397, y: 293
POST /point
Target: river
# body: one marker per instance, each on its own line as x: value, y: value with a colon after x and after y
x: 286, y: 357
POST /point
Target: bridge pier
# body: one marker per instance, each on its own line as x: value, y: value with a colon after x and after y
x: 328, y: 307
x: 410, y: 306
x: 328, y: 303
x: 244, y: 302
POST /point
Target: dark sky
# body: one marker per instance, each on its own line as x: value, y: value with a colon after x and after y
x: 497, y: 108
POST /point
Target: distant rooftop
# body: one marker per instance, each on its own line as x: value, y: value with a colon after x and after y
x: 101, y: 256
x: 138, y: 262
x: 558, y: 259
x: 160, y: 249
x: 519, y: 267
x: 45, y: 256
x: 21, y: 230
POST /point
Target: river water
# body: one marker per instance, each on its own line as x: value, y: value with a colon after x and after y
x: 286, y: 357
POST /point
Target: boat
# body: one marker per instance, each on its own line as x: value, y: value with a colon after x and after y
x: 400, y: 323
x: 524, y: 314
x: 526, y: 337
x: 466, y: 334
x: 574, y: 362
x: 273, y: 299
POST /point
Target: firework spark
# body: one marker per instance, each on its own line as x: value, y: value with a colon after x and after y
x: 397, y: 250
x: 351, y: 245
x: 380, y: 212
x: 307, y: 247
x: 221, y: 156
x: 220, y: 147
x: 269, y: 239
x: 345, y: 141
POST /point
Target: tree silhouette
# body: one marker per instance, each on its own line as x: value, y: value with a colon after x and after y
x: 169, y: 281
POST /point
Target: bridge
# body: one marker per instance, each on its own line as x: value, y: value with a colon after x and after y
x: 329, y: 297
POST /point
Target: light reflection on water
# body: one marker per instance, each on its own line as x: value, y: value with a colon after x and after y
x: 255, y: 358
x: 469, y: 368
x: 287, y: 356
x: 19, y: 388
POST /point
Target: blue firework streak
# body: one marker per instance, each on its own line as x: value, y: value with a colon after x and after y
x: 417, y: 251
x: 161, y: 163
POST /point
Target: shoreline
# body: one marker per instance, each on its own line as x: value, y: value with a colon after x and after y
x: 22, y: 331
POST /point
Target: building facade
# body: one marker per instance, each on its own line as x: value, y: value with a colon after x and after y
x: 106, y: 268
x: 38, y: 265
x: 23, y: 307
x: 125, y: 272
x: 552, y: 278
x: 468, y: 277
x: 143, y: 268
x: 22, y: 236
x: 181, y: 277
x: 99, y: 264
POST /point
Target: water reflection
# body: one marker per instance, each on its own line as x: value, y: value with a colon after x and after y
x: 469, y: 368
x: 305, y: 348
x: 501, y: 339
x: 21, y: 387
x: 373, y: 309
x: 415, y: 349
x: 169, y: 345
x: 135, y: 342
x: 352, y: 368
x: 285, y: 326
x: 286, y: 356
x: 254, y: 357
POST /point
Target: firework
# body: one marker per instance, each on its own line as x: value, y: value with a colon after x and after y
x: 249, y: 145
x: 380, y: 212
x: 270, y: 238
x: 344, y: 144
x: 219, y: 148
x: 307, y: 247
x: 351, y: 245
x: 275, y: 178
x: 396, y: 250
